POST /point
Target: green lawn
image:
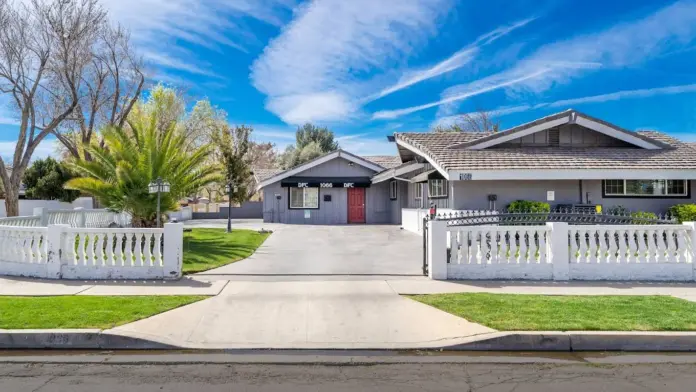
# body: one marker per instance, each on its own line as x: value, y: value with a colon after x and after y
x: 205, y: 249
x: 84, y: 311
x: 509, y: 312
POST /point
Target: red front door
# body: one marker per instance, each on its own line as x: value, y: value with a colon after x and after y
x: 356, y: 205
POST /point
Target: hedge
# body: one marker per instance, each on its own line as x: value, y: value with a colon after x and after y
x: 528, y: 206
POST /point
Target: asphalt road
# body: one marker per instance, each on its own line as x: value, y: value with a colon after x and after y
x: 480, y: 377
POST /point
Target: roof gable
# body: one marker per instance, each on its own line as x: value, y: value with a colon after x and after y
x: 569, y: 117
x: 338, y: 154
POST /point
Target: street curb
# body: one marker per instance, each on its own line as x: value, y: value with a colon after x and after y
x: 580, y: 341
x: 95, y: 339
x: 85, y: 339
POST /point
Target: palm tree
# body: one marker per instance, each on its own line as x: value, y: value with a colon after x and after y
x: 128, y: 159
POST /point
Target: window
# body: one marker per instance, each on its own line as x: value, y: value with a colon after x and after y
x: 419, y: 191
x: 304, y: 198
x: 393, y: 190
x: 437, y: 188
x: 646, y: 188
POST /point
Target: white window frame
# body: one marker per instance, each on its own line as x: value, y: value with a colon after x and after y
x: 443, y: 188
x: 627, y: 194
x: 419, y: 191
x: 304, y: 199
x: 393, y: 190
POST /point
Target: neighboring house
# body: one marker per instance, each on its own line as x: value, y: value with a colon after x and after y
x: 568, y: 158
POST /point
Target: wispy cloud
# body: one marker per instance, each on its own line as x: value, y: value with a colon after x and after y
x: 168, y: 61
x: 622, y: 45
x: 48, y: 147
x: 480, y: 87
x: 457, y: 60
x: 570, y: 103
x: 308, y: 72
x: 157, y: 26
x: 203, y: 22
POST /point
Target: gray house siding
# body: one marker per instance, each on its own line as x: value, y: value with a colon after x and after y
x: 413, y: 202
x: 473, y: 195
x: 571, y: 135
x: 334, y: 212
x: 377, y: 204
x: 338, y: 167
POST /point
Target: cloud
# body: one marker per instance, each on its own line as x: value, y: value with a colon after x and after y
x: 479, y: 87
x: 208, y: 23
x: 170, y: 62
x: 47, y: 148
x: 570, y: 103
x: 622, y: 45
x: 315, y: 59
x: 457, y: 60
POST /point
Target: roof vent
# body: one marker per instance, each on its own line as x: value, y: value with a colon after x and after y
x: 554, y: 137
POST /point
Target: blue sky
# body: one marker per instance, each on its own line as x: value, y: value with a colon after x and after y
x: 368, y: 68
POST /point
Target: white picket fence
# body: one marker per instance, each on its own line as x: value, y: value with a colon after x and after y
x: 557, y: 251
x: 64, y: 252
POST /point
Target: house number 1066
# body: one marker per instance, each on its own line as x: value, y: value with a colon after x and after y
x: 465, y: 176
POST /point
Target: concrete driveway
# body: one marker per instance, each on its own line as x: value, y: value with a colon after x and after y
x: 320, y: 251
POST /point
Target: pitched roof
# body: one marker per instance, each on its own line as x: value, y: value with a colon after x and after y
x: 569, y: 116
x: 386, y: 161
x: 438, y: 146
x: 275, y: 177
x: 262, y: 174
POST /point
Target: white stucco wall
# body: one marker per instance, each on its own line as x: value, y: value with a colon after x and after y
x: 26, y: 207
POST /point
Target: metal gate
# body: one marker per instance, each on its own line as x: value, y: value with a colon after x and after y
x: 425, y: 246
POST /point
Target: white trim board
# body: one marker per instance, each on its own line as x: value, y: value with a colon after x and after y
x: 574, y: 174
x: 318, y: 161
x: 396, y: 172
x: 420, y: 153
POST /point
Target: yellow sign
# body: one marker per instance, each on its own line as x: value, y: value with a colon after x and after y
x: 598, y: 209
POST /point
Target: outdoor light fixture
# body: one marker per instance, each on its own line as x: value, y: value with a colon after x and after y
x: 159, y: 186
x: 229, y: 188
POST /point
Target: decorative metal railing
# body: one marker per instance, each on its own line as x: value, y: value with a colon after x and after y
x: 532, y: 218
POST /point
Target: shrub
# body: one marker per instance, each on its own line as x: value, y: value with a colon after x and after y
x: 617, y: 210
x: 683, y: 212
x: 528, y: 206
x: 643, y: 217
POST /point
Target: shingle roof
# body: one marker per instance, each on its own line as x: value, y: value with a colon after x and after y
x: 386, y: 161
x: 262, y: 174
x: 437, y: 145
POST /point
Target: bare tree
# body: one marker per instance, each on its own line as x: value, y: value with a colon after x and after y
x: 261, y: 156
x: 44, y: 50
x: 111, y: 84
x: 478, y: 121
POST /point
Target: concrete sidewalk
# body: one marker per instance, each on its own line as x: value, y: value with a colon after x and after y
x: 367, y: 314
x: 45, y: 287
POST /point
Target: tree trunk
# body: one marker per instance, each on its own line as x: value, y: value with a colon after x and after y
x: 12, y: 201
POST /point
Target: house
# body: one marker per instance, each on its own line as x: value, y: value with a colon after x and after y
x: 333, y: 189
x: 568, y: 158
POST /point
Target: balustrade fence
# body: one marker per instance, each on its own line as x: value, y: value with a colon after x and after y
x: 559, y: 251
x: 64, y: 252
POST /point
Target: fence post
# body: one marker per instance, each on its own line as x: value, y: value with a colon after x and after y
x: 53, y: 248
x: 173, y: 250
x: 560, y: 254
x: 43, y: 213
x: 691, y: 227
x: 81, y: 217
x: 437, y: 249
